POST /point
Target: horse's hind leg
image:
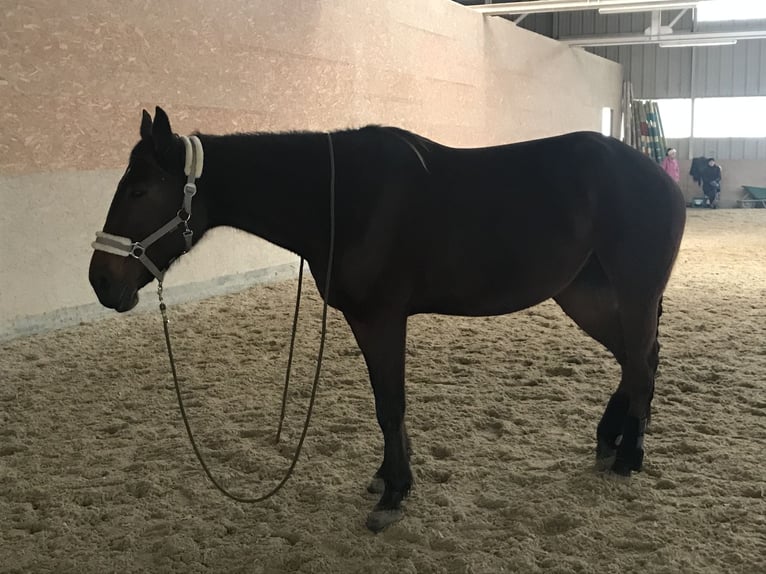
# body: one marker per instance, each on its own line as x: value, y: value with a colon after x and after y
x: 382, y: 341
x: 640, y: 304
x: 639, y: 318
x: 591, y: 301
x: 632, y: 400
x: 626, y: 324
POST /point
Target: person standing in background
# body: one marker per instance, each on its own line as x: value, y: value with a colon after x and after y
x: 670, y: 165
x: 711, y: 182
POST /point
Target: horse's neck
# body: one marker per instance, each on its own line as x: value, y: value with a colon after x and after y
x: 275, y: 186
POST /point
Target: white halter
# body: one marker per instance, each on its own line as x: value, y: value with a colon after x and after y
x: 125, y: 247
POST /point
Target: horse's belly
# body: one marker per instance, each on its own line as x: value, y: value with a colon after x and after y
x: 496, y: 290
x: 499, y: 307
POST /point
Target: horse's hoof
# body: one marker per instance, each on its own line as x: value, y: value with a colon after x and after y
x: 625, y: 463
x: 376, y: 486
x: 621, y: 468
x: 603, y: 464
x: 379, y: 520
x: 606, y: 455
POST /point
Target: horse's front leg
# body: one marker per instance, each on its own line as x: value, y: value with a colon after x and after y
x: 382, y: 341
x: 376, y: 485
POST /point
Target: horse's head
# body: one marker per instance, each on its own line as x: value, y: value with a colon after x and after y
x: 148, y: 197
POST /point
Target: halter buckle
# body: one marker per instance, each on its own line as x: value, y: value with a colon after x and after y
x: 188, y: 234
x: 137, y: 250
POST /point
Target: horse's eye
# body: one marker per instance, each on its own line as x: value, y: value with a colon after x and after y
x: 137, y: 192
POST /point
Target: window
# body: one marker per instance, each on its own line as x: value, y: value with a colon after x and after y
x: 731, y: 10
x: 676, y: 116
x: 606, y: 121
x: 713, y: 117
x: 622, y: 127
x: 729, y: 117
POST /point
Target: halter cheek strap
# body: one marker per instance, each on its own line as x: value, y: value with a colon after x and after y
x: 125, y: 247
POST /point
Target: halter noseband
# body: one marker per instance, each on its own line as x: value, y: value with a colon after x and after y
x: 125, y: 247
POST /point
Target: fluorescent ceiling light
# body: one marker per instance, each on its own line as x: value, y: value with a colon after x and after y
x: 694, y: 43
x: 649, y: 7
x: 717, y: 10
x: 543, y: 6
x: 693, y: 39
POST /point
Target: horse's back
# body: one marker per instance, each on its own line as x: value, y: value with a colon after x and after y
x: 475, y: 231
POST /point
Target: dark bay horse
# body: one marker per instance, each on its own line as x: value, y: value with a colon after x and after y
x: 424, y: 228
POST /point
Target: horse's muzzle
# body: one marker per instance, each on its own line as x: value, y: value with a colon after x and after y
x: 111, y: 293
x: 127, y: 302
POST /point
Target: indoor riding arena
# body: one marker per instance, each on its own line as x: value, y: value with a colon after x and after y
x: 508, y: 400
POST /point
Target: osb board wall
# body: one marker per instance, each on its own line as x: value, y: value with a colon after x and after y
x: 75, y: 75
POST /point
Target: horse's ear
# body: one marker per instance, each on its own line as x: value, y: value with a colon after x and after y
x: 146, y: 125
x: 161, y: 132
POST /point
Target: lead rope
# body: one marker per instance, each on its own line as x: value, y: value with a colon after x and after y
x: 165, y: 321
x: 290, y: 356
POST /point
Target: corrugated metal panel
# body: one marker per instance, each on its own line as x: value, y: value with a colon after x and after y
x: 655, y: 72
x: 682, y: 146
x: 724, y: 149
x: 719, y: 71
x: 540, y: 23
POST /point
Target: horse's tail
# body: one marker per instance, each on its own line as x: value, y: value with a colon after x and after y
x: 655, y: 357
x: 654, y: 360
x: 659, y: 313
